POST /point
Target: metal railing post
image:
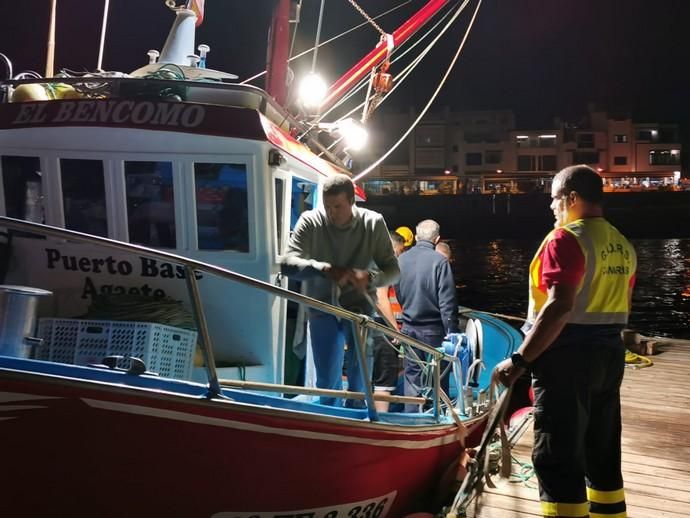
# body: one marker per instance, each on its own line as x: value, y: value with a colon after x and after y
x: 360, y: 336
x: 437, y: 388
x: 204, y: 335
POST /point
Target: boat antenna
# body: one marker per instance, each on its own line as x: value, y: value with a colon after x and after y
x: 50, y: 57
x: 104, y: 25
x: 431, y: 99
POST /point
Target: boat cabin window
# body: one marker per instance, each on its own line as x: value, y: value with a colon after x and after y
x: 222, y: 206
x: 83, y: 192
x: 303, y: 198
x: 21, y: 179
x: 150, y: 203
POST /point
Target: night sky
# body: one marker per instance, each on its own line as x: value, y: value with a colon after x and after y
x: 541, y: 58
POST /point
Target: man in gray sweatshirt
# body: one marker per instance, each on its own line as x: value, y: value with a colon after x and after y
x: 341, y: 252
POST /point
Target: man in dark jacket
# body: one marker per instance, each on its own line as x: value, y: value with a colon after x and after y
x: 426, y: 291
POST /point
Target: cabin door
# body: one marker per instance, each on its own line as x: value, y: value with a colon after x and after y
x: 301, y: 194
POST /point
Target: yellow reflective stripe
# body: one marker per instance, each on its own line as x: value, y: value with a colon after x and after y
x: 605, y: 497
x: 561, y: 509
x: 600, y: 515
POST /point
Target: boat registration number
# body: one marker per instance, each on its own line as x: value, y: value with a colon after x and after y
x: 373, y: 508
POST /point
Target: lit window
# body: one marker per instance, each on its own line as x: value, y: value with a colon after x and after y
x: 664, y: 157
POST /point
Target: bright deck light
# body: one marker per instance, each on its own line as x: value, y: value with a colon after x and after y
x: 312, y: 90
x: 355, y: 134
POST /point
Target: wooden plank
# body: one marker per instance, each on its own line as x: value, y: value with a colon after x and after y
x: 655, y: 404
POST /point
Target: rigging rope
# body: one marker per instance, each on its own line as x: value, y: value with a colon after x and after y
x: 368, y: 18
x: 431, y: 100
x: 405, y: 71
x: 410, y: 66
x: 331, y: 40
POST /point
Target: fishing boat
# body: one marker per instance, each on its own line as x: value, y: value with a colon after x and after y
x: 175, y: 182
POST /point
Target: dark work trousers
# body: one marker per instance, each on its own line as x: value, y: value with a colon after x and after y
x: 430, y: 335
x: 577, y: 424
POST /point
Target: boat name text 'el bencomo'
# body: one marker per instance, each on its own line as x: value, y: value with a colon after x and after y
x: 118, y: 112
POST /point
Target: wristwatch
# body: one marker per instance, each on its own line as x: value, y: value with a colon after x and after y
x: 519, y: 361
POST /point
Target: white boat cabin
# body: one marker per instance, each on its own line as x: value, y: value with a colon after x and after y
x: 213, y: 177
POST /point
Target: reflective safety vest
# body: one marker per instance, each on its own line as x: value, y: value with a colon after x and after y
x: 610, y: 264
x: 395, y: 305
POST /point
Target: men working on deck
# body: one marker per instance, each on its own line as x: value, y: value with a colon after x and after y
x: 386, y: 361
x: 580, y: 287
x: 426, y: 291
x: 343, y: 253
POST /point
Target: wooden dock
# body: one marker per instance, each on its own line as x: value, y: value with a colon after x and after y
x: 656, y: 446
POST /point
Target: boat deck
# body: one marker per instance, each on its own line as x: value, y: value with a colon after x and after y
x: 656, y: 446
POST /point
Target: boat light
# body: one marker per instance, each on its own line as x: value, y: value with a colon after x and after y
x: 354, y: 134
x: 312, y: 90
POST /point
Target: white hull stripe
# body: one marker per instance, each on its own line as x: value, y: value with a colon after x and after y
x: 286, y: 432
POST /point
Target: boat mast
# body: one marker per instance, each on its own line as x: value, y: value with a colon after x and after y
x: 99, y: 65
x: 50, y: 57
x: 379, y: 53
x: 278, y: 50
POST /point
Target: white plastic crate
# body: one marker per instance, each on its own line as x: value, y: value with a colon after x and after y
x: 166, y: 350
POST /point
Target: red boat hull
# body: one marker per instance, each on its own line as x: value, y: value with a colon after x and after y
x: 71, y: 450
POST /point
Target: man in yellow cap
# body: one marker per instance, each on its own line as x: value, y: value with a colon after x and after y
x: 407, y: 235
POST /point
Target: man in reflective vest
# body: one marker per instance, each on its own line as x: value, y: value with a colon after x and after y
x: 580, y: 289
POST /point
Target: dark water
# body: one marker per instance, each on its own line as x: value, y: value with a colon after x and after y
x: 492, y: 276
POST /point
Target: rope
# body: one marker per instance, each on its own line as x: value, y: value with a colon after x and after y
x: 431, y: 100
x: 404, y: 73
x: 304, y: 53
x: 637, y: 361
x: 368, y: 18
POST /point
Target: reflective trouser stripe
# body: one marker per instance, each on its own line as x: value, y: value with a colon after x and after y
x: 606, y: 504
x: 605, y: 497
x: 561, y: 509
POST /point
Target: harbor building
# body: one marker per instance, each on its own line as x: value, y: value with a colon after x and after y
x: 487, y: 152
